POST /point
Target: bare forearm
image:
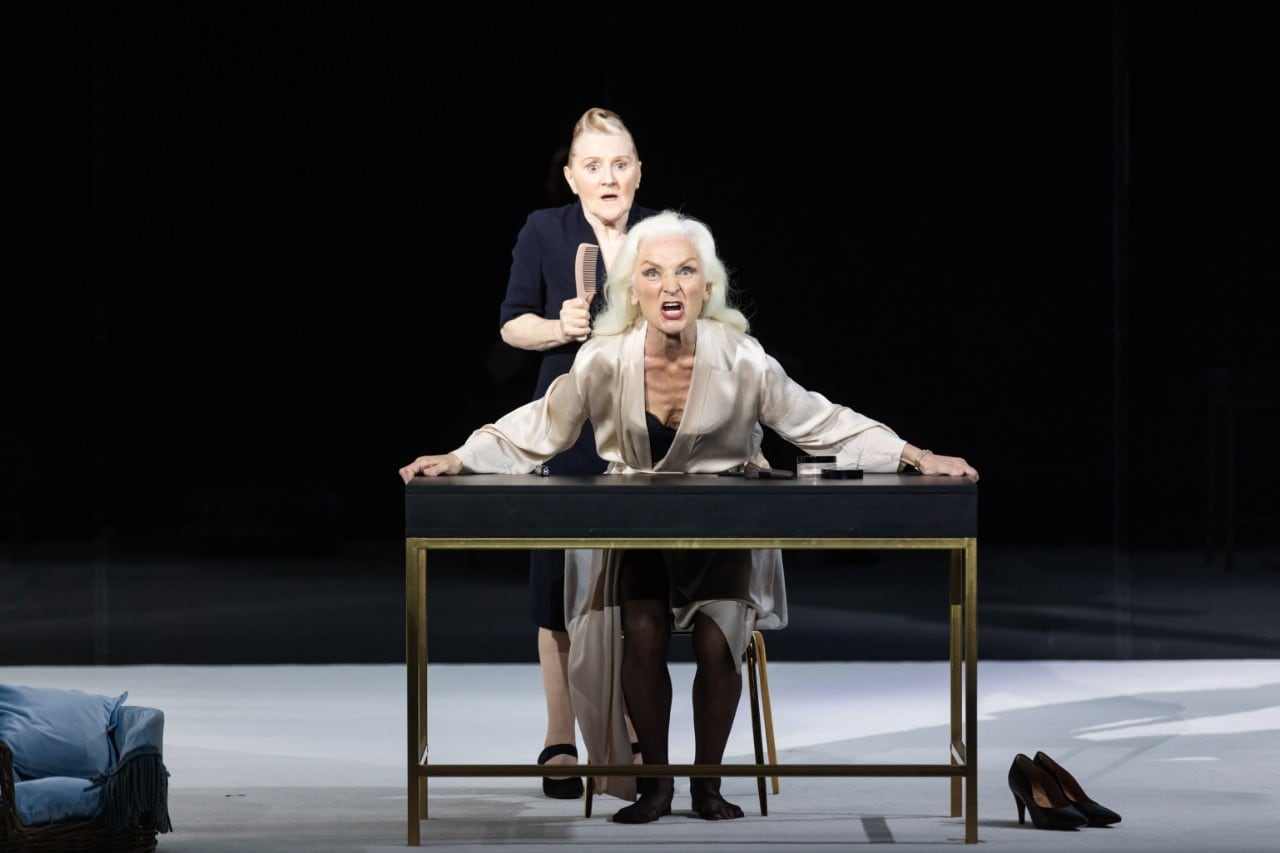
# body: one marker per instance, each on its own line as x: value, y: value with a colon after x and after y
x: 531, y: 332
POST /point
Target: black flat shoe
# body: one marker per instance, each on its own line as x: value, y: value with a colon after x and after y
x: 1035, y: 791
x: 569, y: 788
x: 1096, y: 813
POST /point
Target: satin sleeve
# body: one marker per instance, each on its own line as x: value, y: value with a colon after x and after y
x: 526, y: 437
x: 813, y: 423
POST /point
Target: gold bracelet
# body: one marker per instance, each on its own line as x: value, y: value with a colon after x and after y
x: 920, y: 458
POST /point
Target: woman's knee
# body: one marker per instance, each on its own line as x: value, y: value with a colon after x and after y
x: 710, y: 648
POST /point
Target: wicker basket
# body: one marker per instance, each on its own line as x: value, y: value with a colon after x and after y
x: 66, y: 836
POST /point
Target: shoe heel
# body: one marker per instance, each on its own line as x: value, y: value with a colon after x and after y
x: 1022, y: 810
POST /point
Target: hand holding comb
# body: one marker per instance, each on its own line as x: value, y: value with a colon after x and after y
x: 584, y: 270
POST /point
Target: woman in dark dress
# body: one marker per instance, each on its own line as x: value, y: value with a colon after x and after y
x: 543, y: 312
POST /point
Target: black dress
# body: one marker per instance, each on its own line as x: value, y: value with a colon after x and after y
x: 542, y: 278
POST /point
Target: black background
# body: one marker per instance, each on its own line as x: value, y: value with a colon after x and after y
x: 256, y: 250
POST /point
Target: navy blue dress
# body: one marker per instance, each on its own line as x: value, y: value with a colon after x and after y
x: 542, y: 278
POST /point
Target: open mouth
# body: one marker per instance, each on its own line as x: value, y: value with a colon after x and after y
x: 672, y: 310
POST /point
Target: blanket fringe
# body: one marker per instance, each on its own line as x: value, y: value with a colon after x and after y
x: 136, y: 792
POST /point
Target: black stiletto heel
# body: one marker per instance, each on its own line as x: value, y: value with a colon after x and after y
x: 1035, y: 791
x: 1096, y: 813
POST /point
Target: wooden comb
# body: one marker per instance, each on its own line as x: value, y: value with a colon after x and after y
x: 584, y: 270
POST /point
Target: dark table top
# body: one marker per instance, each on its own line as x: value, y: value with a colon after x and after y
x: 689, y: 506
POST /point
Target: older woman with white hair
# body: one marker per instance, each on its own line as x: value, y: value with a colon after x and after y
x: 672, y: 381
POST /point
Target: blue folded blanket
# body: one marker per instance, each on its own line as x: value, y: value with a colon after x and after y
x: 78, y: 755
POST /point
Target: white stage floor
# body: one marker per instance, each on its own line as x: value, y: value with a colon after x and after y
x: 312, y: 758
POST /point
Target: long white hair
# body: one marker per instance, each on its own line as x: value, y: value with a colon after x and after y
x: 619, y: 314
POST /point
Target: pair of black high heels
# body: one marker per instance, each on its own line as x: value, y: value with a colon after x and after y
x: 1053, y: 796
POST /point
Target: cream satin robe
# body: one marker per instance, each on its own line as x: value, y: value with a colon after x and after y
x: 735, y: 387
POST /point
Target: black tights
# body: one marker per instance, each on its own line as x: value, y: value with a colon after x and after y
x: 646, y: 686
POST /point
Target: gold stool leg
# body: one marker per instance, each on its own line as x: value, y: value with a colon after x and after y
x: 762, y: 664
x: 752, y: 680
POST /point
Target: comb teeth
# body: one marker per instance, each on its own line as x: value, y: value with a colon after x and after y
x: 585, y: 269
